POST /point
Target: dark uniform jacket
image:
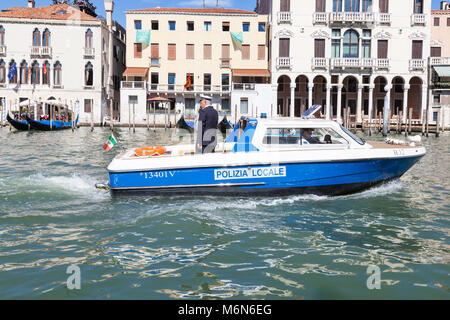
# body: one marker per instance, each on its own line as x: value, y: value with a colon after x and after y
x: 207, y: 125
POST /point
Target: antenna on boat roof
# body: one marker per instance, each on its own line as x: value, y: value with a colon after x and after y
x: 311, y: 111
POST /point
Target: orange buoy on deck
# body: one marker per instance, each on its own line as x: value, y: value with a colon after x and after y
x: 150, y: 151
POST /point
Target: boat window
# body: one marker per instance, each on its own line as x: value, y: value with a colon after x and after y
x: 354, y: 137
x: 302, y: 136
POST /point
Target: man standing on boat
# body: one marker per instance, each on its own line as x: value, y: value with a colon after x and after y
x: 207, y: 126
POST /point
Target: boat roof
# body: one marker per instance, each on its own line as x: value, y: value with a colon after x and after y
x: 294, y: 122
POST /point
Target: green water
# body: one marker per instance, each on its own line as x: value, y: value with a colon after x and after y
x: 298, y: 247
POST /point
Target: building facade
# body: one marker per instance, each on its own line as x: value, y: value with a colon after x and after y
x: 349, y: 54
x: 192, y: 52
x: 440, y: 63
x: 62, y: 52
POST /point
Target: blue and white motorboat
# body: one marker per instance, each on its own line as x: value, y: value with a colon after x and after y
x: 267, y: 157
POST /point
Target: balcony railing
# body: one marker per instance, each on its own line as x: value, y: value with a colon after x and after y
x: 243, y: 86
x: 284, y: 17
x: 2, y: 50
x: 225, y: 62
x: 284, y: 63
x: 41, y: 51
x: 436, y: 61
x: 155, y: 62
x: 194, y: 89
x: 417, y: 64
x: 319, y: 63
x: 360, y: 63
x: 418, y: 18
x: 88, y: 52
x: 320, y: 17
x: 133, y: 85
x: 384, y: 18
x: 353, y: 17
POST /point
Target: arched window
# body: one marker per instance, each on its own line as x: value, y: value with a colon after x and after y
x: 2, y: 71
x: 351, y: 44
x: 35, y: 73
x: 24, y: 72
x: 89, y: 75
x: 57, y: 76
x: 46, y: 73
x: 36, y: 38
x: 46, y: 38
x: 351, y: 6
x: 88, y: 39
x: 12, y: 72
x: 2, y: 36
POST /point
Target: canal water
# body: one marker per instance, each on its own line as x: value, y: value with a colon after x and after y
x: 298, y: 247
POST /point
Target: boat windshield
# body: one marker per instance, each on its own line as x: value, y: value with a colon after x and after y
x: 302, y: 136
x: 354, y: 137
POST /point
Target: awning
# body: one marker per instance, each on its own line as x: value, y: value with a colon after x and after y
x: 137, y: 72
x: 442, y: 71
x: 251, y: 73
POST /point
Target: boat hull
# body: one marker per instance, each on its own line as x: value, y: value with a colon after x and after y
x: 47, y: 126
x: 18, y: 125
x: 319, y: 178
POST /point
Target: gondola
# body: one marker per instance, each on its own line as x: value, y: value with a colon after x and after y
x: 19, y: 125
x: 225, y: 125
x: 48, y: 125
x: 186, y: 125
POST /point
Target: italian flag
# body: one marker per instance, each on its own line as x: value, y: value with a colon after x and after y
x: 110, y: 143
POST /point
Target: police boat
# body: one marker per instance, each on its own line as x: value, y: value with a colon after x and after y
x: 267, y: 157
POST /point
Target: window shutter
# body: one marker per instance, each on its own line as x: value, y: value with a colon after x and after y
x: 155, y: 50
x: 382, y: 49
x: 261, y: 52
x: 226, y: 51
x: 246, y: 52
x: 417, y: 48
x: 319, y: 48
x: 138, y: 50
x: 172, y: 52
x: 207, y: 52
x: 436, y: 51
x: 320, y: 5
x: 285, y: 5
x: 190, y: 51
x: 384, y: 6
x: 284, y: 48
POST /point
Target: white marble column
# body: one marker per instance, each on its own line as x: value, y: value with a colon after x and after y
x: 292, y: 106
x: 328, y: 110
x: 371, y: 87
x: 405, y: 102
x: 424, y: 102
x: 310, y: 94
x: 339, y: 104
x: 359, y: 102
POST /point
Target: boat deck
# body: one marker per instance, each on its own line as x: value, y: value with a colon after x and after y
x: 384, y: 145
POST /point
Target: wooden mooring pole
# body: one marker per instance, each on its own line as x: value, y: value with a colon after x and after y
x: 438, y: 120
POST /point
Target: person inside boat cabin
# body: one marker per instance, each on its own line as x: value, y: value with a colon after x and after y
x: 208, y: 121
x: 307, y: 135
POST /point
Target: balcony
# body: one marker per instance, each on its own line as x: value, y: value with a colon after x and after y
x: 133, y: 85
x: 417, y: 65
x: 88, y: 52
x: 225, y: 62
x: 3, y: 51
x: 320, y: 17
x: 440, y: 61
x: 384, y: 18
x: 284, y: 17
x: 352, y: 17
x: 193, y: 89
x: 360, y: 63
x: 284, y: 63
x: 418, y: 19
x: 319, y: 63
x: 243, y: 86
x: 41, y: 52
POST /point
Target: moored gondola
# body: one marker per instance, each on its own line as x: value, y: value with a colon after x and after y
x: 19, y: 125
x: 186, y: 125
x: 225, y: 125
x: 48, y: 125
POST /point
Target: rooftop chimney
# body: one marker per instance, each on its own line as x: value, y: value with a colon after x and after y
x: 443, y: 5
x: 31, y: 4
